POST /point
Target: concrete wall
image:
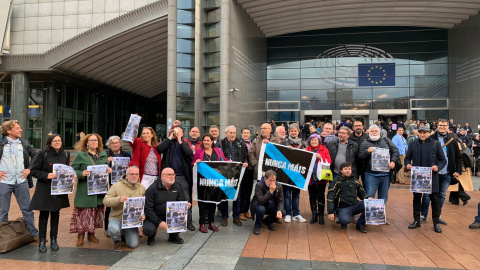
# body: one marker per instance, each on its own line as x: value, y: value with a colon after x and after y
x: 464, y: 72
x: 39, y: 25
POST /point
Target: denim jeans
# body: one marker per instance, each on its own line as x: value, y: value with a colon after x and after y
x: 345, y: 214
x: 291, y: 198
x: 444, y: 182
x: 235, y: 208
x: 377, y: 181
x: 22, y: 195
x: 477, y: 218
x: 115, y: 228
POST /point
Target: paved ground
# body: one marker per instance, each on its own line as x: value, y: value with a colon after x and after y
x: 292, y: 246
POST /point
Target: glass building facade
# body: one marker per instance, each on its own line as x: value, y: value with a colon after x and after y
x: 322, y: 70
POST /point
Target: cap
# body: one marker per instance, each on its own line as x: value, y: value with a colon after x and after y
x: 423, y: 128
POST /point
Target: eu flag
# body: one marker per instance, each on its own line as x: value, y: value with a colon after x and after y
x: 376, y: 74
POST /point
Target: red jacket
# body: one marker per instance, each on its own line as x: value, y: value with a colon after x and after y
x: 200, y: 153
x: 140, y: 153
x: 323, y: 151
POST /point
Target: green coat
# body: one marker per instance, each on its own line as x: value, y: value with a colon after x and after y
x: 80, y: 163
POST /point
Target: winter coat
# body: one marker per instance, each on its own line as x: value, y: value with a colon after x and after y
x: 380, y: 143
x: 254, y: 153
x: 28, y: 152
x: 242, y: 151
x: 263, y: 196
x: 352, y: 151
x: 344, y: 193
x: 167, y: 148
x: 323, y: 151
x: 288, y: 142
x: 119, y: 189
x: 140, y: 151
x: 200, y: 154
x: 156, y: 199
x: 454, y: 156
x: 42, y: 199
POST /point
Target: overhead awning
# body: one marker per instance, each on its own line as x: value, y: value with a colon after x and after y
x: 5, y: 14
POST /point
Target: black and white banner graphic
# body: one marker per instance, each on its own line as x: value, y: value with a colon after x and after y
x: 293, y: 166
x: 217, y: 181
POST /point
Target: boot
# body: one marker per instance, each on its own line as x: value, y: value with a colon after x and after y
x: 42, y: 248
x: 321, y: 212
x: 92, y: 238
x: 53, y: 244
x: 212, y: 227
x: 314, y: 217
x: 80, y: 239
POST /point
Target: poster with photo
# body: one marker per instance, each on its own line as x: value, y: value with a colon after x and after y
x: 119, y: 168
x: 97, y: 180
x: 65, y: 181
x: 375, y: 212
x: 177, y: 213
x: 131, y: 131
x: 380, y: 159
x: 421, y: 180
x: 132, y: 212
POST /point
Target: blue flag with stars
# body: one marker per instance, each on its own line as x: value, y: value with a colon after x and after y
x: 376, y: 74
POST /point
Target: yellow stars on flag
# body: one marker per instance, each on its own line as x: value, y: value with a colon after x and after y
x: 376, y: 80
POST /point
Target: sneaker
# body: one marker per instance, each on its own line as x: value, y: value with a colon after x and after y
x: 299, y: 218
x: 288, y: 219
x: 475, y: 225
x: 423, y: 219
x: 256, y: 231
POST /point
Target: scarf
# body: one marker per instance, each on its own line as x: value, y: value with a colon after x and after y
x: 13, y: 146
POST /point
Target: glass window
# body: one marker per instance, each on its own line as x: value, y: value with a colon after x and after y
x: 81, y: 103
x: 423, y: 92
x: 423, y: 104
x: 185, y: 89
x: 318, y: 94
x: 214, y: 15
x: 283, y: 63
x: 186, y: 4
x: 70, y: 97
x: 390, y: 93
x: 428, y: 81
x: 283, y: 95
x: 185, y: 104
x: 283, y: 105
x: 354, y: 93
x: 213, y: 45
x: 185, y: 31
x: 284, y: 116
x: 283, y: 84
x: 185, y: 75
x: 213, y: 59
x: 390, y: 104
x: 274, y: 74
x: 184, y: 16
x: 213, y: 30
x: 212, y: 89
x: 430, y: 115
x: 214, y: 3
x: 213, y: 74
x: 318, y: 83
x: 212, y: 104
x: 212, y: 118
x: 353, y: 104
x: 185, y: 60
x: 185, y: 46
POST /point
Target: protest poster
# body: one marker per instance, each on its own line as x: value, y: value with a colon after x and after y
x: 421, y: 180
x: 293, y: 166
x: 330, y: 138
x: 131, y: 131
x: 64, y: 182
x: 132, y: 212
x: 380, y: 159
x: 177, y: 213
x: 375, y: 212
x: 119, y: 168
x: 97, y: 180
x: 217, y: 181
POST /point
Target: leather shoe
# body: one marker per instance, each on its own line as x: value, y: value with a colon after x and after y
x: 423, y: 219
x: 42, y: 248
x: 271, y: 227
x: 203, y: 229
x: 242, y: 217
x: 256, y: 231
x: 415, y: 224
x: 474, y: 225
x: 224, y: 222
x: 247, y: 215
x: 343, y: 226
x: 174, y: 238
x: 441, y: 221
x: 278, y: 221
x: 237, y: 222
x: 436, y: 228
x: 212, y: 227
x: 151, y: 240
x: 80, y: 239
x: 465, y: 202
x: 92, y: 238
x: 117, y: 246
x: 190, y: 227
x: 54, y: 244
x: 360, y: 228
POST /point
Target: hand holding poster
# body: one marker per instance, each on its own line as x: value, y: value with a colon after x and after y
x: 119, y: 168
x: 293, y: 166
x: 177, y: 214
x: 421, y: 180
x: 217, y: 181
x: 97, y: 180
x: 375, y: 212
x: 380, y: 159
x: 133, y: 212
x: 132, y: 128
x: 64, y: 182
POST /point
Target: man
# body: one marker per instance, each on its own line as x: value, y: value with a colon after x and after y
x: 412, y: 136
x: 15, y: 154
x: 468, y: 129
x: 401, y: 143
x: 342, y: 198
x: 377, y: 180
x: 359, y: 136
x: 247, y: 182
x: 194, y: 139
x: 215, y: 132
x: 268, y: 200
x: 476, y: 223
x: 254, y: 151
x: 327, y: 134
x: 304, y: 131
x: 451, y: 126
x: 465, y: 138
x: 341, y: 151
x: 426, y: 152
x: 234, y: 150
x: 453, y: 169
x: 178, y: 155
x: 127, y: 187
x: 158, y: 194
x: 280, y: 133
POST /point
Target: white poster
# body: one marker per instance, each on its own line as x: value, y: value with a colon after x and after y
x: 65, y: 182
x: 131, y: 131
x: 97, y: 180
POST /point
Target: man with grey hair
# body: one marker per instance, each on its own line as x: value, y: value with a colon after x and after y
x: 377, y: 180
x: 327, y: 134
x: 280, y: 133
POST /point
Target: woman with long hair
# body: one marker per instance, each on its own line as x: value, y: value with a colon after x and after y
x: 146, y: 157
x: 47, y: 204
x: 88, y: 209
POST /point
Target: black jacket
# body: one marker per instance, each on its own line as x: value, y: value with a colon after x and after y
x: 43, y: 165
x: 454, y: 156
x: 288, y: 142
x: 344, y: 193
x: 352, y: 151
x: 381, y: 143
x: 28, y: 152
x: 122, y: 153
x: 263, y: 195
x: 167, y: 147
x: 156, y: 198
x: 242, y: 150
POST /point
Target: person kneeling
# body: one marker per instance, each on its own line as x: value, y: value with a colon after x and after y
x: 163, y: 190
x: 342, y: 198
x: 128, y: 186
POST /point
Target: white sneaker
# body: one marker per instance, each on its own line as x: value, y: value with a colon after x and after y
x: 299, y: 218
x: 288, y: 218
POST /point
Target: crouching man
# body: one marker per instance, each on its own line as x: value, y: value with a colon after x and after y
x: 342, y: 198
x: 163, y: 190
x: 127, y: 187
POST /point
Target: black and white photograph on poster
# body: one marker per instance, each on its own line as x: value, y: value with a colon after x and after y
x: 217, y: 181
x: 119, y: 168
x: 97, y: 180
x: 177, y: 213
x: 375, y: 212
x: 421, y: 180
x: 132, y: 212
x: 380, y: 159
x: 131, y: 131
x: 65, y: 181
x: 293, y: 166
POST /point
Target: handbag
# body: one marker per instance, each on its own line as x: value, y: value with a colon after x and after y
x: 14, y: 234
x: 324, y: 173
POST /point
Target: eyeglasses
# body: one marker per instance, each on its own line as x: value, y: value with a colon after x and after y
x: 115, y: 143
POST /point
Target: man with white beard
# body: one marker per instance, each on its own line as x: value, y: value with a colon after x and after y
x: 280, y: 133
x: 377, y: 180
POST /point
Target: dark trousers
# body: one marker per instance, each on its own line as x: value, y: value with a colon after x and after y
x: 417, y: 206
x: 206, y: 211
x: 235, y: 208
x: 270, y: 210
x: 246, y: 188
x: 107, y: 215
x: 456, y: 196
x: 186, y: 191
x: 345, y: 214
x: 316, y: 192
x: 149, y: 229
x: 477, y: 218
x: 43, y: 221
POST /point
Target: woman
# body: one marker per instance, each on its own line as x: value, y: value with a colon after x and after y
x: 207, y: 152
x: 146, y: 157
x: 114, y: 144
x: 88, y: 209
x: 42, y: 199
x: 316, y: 189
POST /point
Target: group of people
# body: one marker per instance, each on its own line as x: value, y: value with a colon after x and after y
x: 162, y: 171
